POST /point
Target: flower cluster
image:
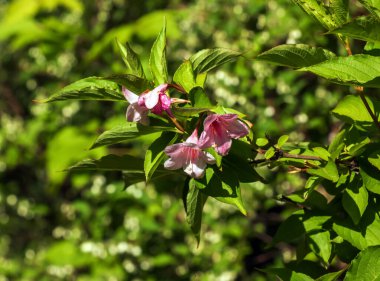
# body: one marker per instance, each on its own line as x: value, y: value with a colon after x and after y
x: 218, y: 131
x: 155, y: 101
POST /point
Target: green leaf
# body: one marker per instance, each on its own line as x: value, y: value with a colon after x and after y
x: 131, y: 82
x: 318, y: 11
x: 287, y: 274
x: 188, y: 111
x: 110, y: 163
x: 365, y: 266
x: 126, y: 132
x: 208, y: 59
x: 157, y: 60
x: 339, y: 10
x: 298, y: 224
x: 333, y: 276
x: 329, y: 171
x: 363, y: 235
x: 133, y: 176
x: 352, y: 110
x: 222, y: 186
x: 282, y: 140
x: 270, y: 153
x: 130, y: 59
x: 184, y: 76
x: 362, y: 28
x: 322, y: 152
x: 357, y: 70
x: 373, y: 6
x: 370, y: 175
x: 262, y: 142
x: 374, y: 159
x: 155, y: 153
x: 299, y: 55
x: 91, y: 88
x: 199, y: 98
x: 355, y: 199
x: 320, y: 243
x: 195, y: 200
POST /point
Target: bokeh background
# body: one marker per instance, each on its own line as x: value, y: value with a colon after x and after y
x: 56, y: 225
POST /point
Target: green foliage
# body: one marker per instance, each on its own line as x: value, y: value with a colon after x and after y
x: 131, y: 60
x: 297, y: 56
x: 357, y: 70
x: 157, y: 59
x: 365, y: 266
x: 91, y: 88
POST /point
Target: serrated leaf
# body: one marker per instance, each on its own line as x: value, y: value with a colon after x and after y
x: 130, y: 59
x: 362, y: 28
x: 91, y: 88
x: 195, y: 201
x: 126, y: 132
x: 155, y: 153
x: 318, y: 11
x: 297, y: 56
x: 184, y: 76
x: 357, y: 70
x: 329, y: 171
x: 373, y: 6
x: 110, y: 163
x: 365, y: 266
x: 352, y: 110
x: 208, y: 59
x: 157, y: 59
x: 339, y: 10
x: 131, y: 82
x: 320, y: 243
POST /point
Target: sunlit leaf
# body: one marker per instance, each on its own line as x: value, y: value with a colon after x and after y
x: 131, y: 60
x: 359, y: 70
x: 91, y: 88
x: 126, y: 132
x: 208, y: 59
x: 299, y: 55
x: 157, y: 59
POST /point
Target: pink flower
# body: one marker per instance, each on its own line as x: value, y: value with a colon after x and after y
x: 219, y: 130
x: 189, y: 156
x: 156, y: 100
x: 135, y: 112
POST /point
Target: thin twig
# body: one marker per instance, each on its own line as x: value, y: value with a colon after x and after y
x: 364, y: 100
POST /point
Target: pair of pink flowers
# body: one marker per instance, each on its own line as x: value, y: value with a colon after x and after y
x: 155, y: 101
x: 219, y: 130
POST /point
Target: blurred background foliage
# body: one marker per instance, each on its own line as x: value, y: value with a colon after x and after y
x: 60, y: 226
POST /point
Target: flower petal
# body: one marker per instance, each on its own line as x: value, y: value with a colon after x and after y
x: 171, y: 164
x: 193, y: 138
x: 237, y: 129
x: 151, y: 99
x: 196, y: 169
x: 209, y: 158
x: 223, y: 148
x: 129, y: 96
